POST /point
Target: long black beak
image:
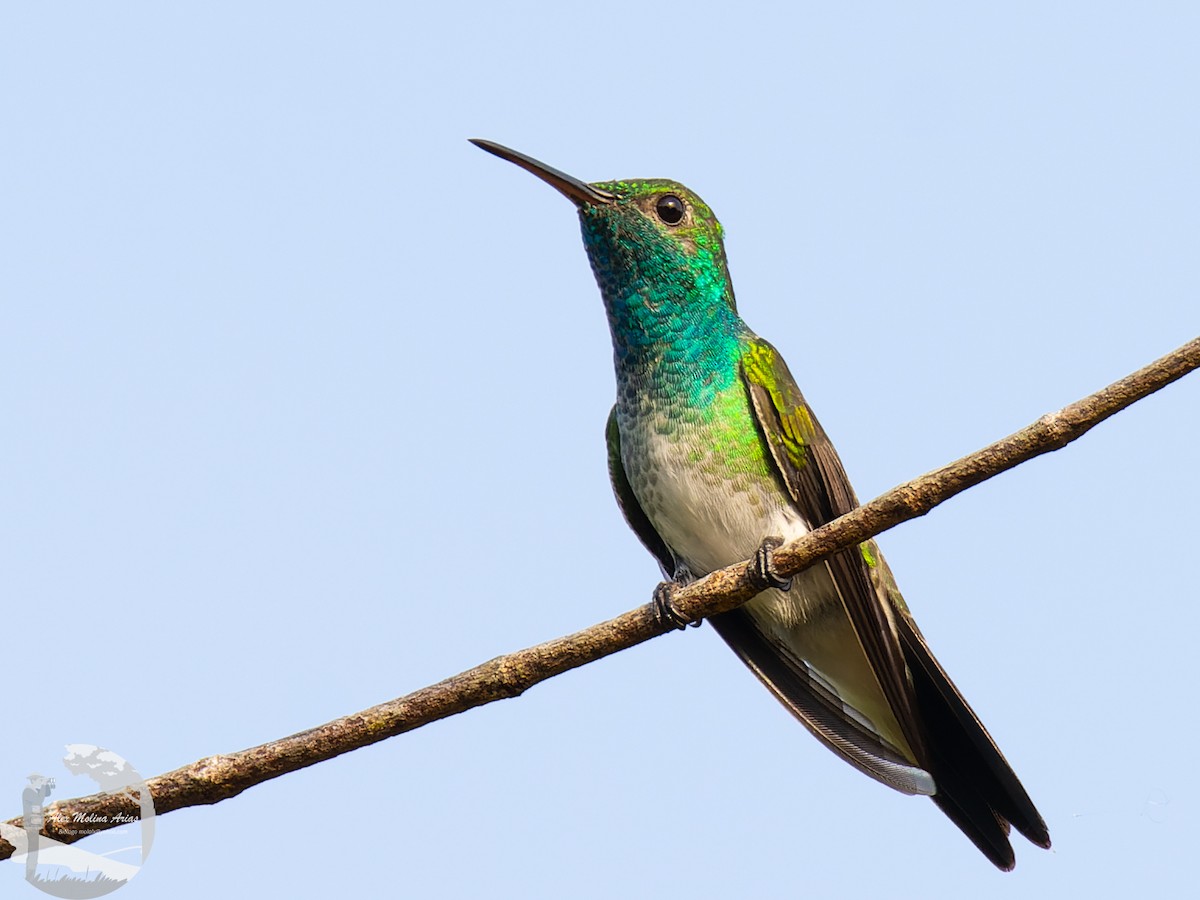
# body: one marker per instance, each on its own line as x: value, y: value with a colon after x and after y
x: 578, y: 192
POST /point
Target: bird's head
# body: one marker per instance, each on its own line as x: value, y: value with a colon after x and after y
x: 656, y: 248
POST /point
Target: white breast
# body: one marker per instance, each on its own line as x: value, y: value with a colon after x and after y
x: 712, y: 517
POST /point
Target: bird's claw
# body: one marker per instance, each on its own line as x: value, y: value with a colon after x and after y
x: 764, y: 561
x: 665, y: 613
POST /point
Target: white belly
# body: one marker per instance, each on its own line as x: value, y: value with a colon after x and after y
x: 712, y: 517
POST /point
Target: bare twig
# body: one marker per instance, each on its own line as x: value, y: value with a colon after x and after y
x: 217, y: 778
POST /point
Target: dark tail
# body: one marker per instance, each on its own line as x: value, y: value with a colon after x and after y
x: 977, y: 788
x: 972, y: 782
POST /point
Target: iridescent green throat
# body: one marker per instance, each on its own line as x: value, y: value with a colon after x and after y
x: 666, y: 291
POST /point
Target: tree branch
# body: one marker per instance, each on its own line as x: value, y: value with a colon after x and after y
x: 216, y: 778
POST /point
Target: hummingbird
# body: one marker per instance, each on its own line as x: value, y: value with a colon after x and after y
x: 715, y: 457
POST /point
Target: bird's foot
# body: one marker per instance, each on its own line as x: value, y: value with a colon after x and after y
x: 665, y: 612
x: 764, y: 562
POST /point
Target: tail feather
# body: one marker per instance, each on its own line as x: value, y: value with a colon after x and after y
x: 976, y: 786
x: 972, y: 812
x: 967, y: 775
x: 837, y: 725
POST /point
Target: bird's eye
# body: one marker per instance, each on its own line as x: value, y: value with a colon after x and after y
x: 670, y: 209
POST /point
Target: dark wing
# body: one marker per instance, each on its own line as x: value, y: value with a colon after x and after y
x: 813, y: 475
x: 812, y: 700
x: 796, y: 685
x: 973, y: 776
x: 976, y: 787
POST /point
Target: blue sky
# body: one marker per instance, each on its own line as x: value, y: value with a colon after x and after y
x: 304, y: 400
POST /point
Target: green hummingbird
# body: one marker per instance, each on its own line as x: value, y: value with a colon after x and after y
x: 715, y: 458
